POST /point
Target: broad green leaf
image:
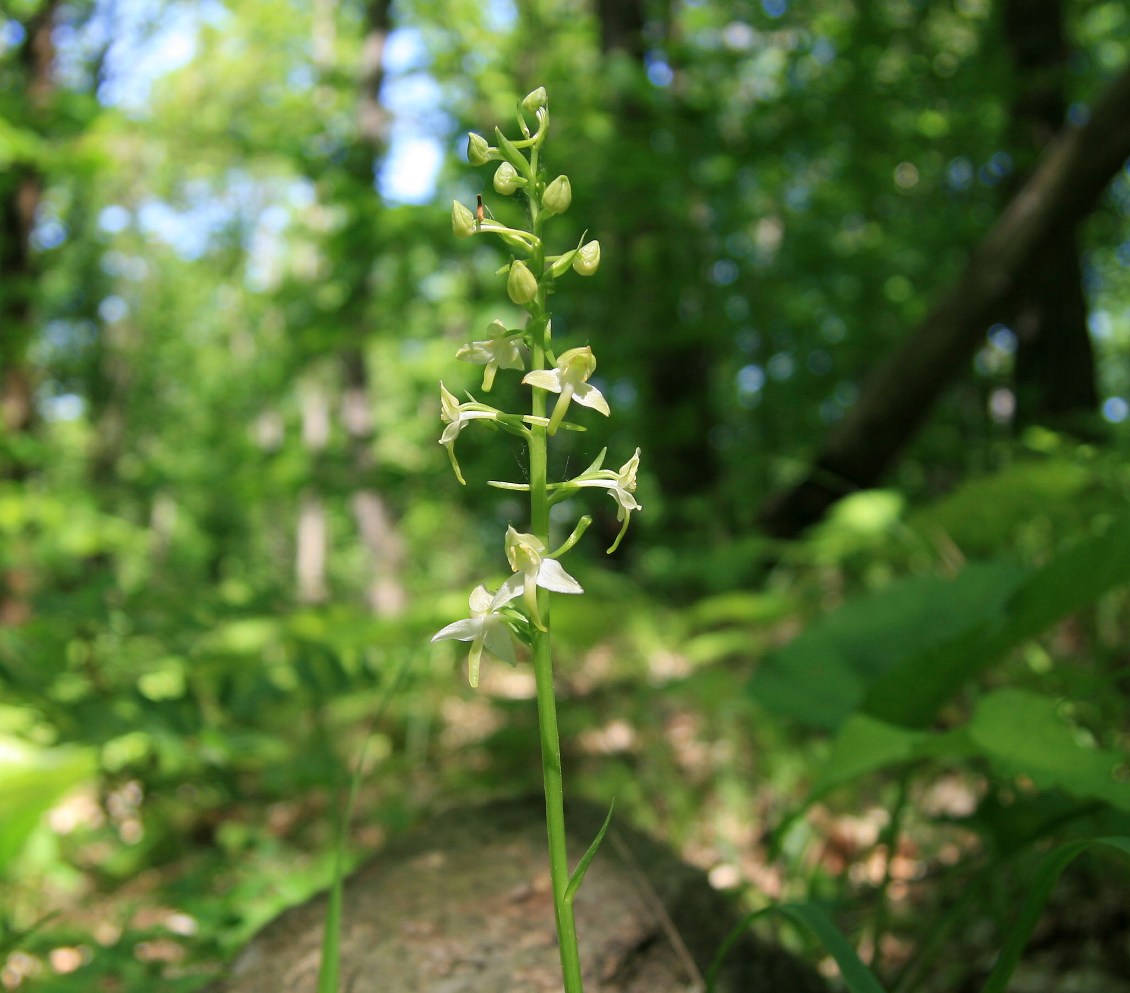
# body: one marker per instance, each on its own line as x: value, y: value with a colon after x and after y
x: 32, y: 780
x: 1022, y: 734
x: 982, y: 512
x: 864, y: 745
x: 911, y: 692
x: 823, y: 675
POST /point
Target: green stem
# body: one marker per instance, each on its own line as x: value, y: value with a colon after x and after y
x: 543, y: 660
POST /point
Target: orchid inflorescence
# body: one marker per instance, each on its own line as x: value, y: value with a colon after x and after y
x: 513, y: 612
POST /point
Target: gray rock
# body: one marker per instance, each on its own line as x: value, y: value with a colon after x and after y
x: 463, y: 905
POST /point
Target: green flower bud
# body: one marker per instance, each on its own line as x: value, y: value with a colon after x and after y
x: 521, y: 285
x: 587, y: 259
x: 506, y: 179
x: 478, y: 149
x: 535, y: 100
x: 462, y: 220
x: 558, y: 195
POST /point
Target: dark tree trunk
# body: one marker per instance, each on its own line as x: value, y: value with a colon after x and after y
x: 621, y: 27
x: 1074, y: 170
x: 20, y: 194
x: 672, y: 367
x: 357, y: 245
x: 1055, y: 363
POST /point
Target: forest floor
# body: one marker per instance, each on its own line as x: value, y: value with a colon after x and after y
x: 163, y: 886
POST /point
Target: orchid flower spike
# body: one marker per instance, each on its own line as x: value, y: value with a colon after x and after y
x: 485, y: 628
x: 570, y: 379
x: 532, y: 568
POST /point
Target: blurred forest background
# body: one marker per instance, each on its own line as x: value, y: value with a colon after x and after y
x: 865, y: 306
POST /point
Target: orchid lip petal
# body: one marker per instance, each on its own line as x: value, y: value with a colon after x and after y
x: 552, y: 576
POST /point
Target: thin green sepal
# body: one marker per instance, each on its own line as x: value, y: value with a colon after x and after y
x: 513, y: 155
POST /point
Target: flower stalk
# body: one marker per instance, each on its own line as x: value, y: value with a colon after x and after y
x: 519, y: 612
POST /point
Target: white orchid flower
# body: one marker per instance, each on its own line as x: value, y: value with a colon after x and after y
x: 621, y: 486
x: 532, y: 568
x: 485, y: 628
x: 500, y: 351
x: 570, y: 379
x: 456, y: 415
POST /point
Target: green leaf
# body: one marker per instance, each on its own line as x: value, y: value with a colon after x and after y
x: 823, y: 675
x: 1039, y: 888
x: 32, y: 781
x: 864, y: 745
x: 1022, y: 733
x: 578, y: 875
x: 856, y: 975
x: 911, y: 692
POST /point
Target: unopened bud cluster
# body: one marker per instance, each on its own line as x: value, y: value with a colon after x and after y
x: 557, y: 381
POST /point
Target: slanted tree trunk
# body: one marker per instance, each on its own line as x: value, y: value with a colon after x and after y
x: 1074, y: 170
x: 1055, y: 362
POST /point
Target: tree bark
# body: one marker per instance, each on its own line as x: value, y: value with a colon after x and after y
x: 1071, y: 175
x: 20, y: 195
x: 1054, y: 375
x: 374, y: 518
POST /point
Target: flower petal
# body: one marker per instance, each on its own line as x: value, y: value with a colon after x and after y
x: 552, y: 576
x: 544, y: 379
x: 499, y: 642
x: 588, y: 395
x: 481, y: 600
x: 465, y: 630
x: 510, y: 590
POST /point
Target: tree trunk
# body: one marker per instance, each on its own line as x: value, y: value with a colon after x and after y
x: 1055, y: 363
x: 354, y: 250
x: 673, y: 368
x: 371, y: 513
x: 312, y: 539
x: 1074, y: 170
x: 20, y: 194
